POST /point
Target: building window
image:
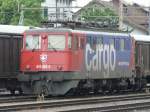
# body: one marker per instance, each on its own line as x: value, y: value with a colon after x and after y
x: 45, y: 12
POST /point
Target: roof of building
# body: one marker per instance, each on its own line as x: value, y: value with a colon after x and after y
x: 137, y: 21
x: 137, y: 16
x: 97, y: 2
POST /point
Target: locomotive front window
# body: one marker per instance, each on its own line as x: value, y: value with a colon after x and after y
x: 33, y: 42
x: 56, y: 42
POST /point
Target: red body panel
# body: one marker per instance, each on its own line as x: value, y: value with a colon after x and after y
x: 45, y: 60
x: 56, y: 61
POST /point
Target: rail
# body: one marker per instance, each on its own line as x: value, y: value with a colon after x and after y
x: 104, y: 104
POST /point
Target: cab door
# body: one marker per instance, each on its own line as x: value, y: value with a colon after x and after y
x: 75, y: 51
x: 81, y: 38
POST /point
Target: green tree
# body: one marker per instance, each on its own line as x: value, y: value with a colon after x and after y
x: 9, y: 13
x: 97, y: 14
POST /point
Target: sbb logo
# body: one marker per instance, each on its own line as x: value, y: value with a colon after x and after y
x: 43, y: 58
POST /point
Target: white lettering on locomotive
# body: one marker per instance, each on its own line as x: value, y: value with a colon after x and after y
x: 103, y: 57
x: 43, y: 66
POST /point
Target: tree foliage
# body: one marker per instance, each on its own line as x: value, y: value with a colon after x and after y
x: 97, y: 14
x: 9, y: 13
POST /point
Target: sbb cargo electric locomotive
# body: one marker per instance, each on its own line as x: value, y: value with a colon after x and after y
x: 58, y: 61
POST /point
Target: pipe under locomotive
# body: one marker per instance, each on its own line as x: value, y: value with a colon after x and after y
x: 60, y: 61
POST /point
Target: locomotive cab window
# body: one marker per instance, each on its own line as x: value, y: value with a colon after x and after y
x: 33, y: 42
x: 56, y: 42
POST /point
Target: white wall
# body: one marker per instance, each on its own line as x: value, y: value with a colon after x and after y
x: 135, y: 31
x: 61, y: 11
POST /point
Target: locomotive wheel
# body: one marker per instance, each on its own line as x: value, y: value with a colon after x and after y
x: 12, y: 92
x: 44, y: 90
x: 41, y: 88
x: 20, y: 91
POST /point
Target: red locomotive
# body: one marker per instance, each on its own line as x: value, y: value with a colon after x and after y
x: 50, y: 51
x: 57, y: 61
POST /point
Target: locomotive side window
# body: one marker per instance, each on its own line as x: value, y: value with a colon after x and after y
x: 127, y: 44
x: 56, y: 42
x: 117, y: 44
x: 122, y: 44
x: 33, y: 42
x: 112, y: 42
x: 92, y: 40
x: 99, y: 40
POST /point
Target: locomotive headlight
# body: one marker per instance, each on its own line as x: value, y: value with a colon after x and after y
x: 28, y: 67
x: 59, y: 67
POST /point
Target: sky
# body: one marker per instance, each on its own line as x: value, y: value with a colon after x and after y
x: 141, y: 2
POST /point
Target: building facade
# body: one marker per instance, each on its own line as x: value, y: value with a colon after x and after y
x: 58, y: 9
x: 136, y: 19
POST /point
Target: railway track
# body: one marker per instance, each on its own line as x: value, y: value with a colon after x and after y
x: 12, y: 99
x: 102, y: 104
x: 28, y: 98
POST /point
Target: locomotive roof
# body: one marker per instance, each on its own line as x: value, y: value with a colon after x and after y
x: 47, y: 30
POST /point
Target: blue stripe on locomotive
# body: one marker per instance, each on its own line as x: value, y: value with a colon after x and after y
x: 105, y: 56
